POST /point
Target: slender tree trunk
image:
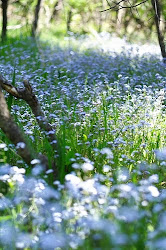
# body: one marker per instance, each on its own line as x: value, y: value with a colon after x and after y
x: 157, y: 9
x: 100, y: 22
x: 120, y: 17
x: 69, y: 19
x: 36, y: 18
x: 4, y: 19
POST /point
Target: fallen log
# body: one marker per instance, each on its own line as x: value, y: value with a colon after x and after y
x: 11, y: 129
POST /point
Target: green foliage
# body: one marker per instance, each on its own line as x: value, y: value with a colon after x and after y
x: 10, y: 98
x: 86, y: 17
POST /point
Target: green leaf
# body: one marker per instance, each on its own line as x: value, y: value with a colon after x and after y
x: 4, y: 218
x: 10, y: 101
x: 10, y: 98
x: 85, y: 138
x: 14, y: 77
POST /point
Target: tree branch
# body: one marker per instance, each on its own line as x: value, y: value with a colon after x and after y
x: 27, y: 95
x: 123, y: 7
x: 13, y: 132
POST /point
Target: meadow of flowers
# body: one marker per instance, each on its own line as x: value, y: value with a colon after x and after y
x: 108, y: 111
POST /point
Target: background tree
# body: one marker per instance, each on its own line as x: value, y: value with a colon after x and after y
x: 82, y: 16
x: 157, y: 10
x: 55, y: 10
x: 22, y: 11
x: 4, y: 4
x: 36, y: 18
x: 122, y: 5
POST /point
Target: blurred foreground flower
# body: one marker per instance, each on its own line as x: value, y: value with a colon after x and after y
x: 161, y: 154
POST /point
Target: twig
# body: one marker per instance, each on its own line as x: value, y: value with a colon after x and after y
x: 123, y: 7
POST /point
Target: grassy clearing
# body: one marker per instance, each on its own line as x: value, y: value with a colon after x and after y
x: 109, y: 113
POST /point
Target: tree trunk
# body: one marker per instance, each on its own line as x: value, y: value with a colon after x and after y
x: 69, y: 19
x: 157, y: 10
x: 36, y: 18
x: 27, y: 95
x: 12, y: 131
x: 54, y: 12
x: 4, y: 19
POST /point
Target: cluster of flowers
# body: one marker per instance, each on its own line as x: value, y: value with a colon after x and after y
x: 119, y: 209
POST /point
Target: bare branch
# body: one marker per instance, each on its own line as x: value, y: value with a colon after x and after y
x: 117, y: 6
x: 133, y: 6
x: 27, y: 95
x: 8, y: 87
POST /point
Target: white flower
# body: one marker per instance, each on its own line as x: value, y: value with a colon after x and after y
x: 154, y: 191
x: 88, y: 186
x: 2, y: 145
x: 123, y: 175
x: 106, y: 168
x: 87, y: 166
x: 108, y: 152
x: 20, y: 145
x: 72, y: 179
x: 35, y: 161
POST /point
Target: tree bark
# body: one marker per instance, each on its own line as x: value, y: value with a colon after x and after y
x: 27, y: 95
x: 4, y: 19
x: 157, y: 10
x: 36, y: 18
x: 12, y: 131
x: 69, y: 19
x: 54, y: 12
